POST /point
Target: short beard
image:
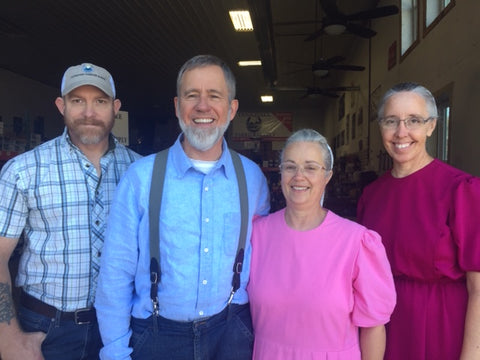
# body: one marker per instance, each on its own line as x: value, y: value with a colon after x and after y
x: 203, y: 139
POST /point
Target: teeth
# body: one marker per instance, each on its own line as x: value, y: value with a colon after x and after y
x: 299, y: 187
x: 203, y: 121
x: 402, y: 146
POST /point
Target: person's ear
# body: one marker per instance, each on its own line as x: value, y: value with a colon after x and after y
x: 60, y: 103
x: 431, y: 126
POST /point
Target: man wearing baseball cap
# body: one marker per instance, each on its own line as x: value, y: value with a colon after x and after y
x: 56, y: 197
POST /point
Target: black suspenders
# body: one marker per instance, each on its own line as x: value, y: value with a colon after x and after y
x: 156, y: 191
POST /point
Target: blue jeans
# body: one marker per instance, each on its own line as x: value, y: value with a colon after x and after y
x: 227, y: 335
x: 65, y: 340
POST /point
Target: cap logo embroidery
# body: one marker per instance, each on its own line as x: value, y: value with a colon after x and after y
x: 87, y: 68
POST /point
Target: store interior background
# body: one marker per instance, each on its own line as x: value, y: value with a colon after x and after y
x: 144, y: 42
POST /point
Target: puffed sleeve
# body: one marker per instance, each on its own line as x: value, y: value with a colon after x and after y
x: 465, y: 224
x: 374, y: 290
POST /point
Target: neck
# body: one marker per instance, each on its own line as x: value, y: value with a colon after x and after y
x: 303, y: 220
x: 94, y: 153
x: 401, y: 170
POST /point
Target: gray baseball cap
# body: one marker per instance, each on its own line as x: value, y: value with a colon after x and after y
x: 87, y: 74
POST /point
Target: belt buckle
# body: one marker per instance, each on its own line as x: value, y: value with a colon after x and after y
x: 78, y: 313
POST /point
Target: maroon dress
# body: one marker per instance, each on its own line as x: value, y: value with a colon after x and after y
x: 430, y: 225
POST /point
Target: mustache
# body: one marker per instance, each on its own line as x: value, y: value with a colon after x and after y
x: 85, y: 121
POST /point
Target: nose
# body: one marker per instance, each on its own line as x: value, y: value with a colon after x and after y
x: 401, y: 128
x: 89, y: 108
x: 203, y: 103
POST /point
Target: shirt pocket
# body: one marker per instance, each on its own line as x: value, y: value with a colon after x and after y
x: 231, y: 231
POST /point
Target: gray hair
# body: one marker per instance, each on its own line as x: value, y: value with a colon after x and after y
x: 410, y: 87
x: 310, y: 135
x: 208, y: 60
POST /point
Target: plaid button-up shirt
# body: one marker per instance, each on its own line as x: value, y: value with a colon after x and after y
x: 54, y: 197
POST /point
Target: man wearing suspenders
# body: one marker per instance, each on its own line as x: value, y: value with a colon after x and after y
x: 176, y: 257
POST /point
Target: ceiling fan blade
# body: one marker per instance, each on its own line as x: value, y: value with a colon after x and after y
x: 360, y: 30
x: 333, y: 60
x: 314, y: 35
x: 374, y: 13
x: 327, y: 63
x: 348, y: 67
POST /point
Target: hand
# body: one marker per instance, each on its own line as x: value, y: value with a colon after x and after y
x: 25, y: 346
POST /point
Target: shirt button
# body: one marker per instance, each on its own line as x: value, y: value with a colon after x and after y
x: 204, y: 282
x: 200, y: 313
x: 205, y: 250
x: 207, y: 220
x: 206, y: 188
x: 97, y: 222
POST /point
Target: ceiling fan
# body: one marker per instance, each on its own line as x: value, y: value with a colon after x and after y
x: 313, y: 91
x: 336, y: 23
x: 322, y: 67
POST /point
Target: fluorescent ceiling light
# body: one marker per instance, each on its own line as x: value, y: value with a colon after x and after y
x: 241, y: 20
x: 266, y: 98
x: 250, y: 63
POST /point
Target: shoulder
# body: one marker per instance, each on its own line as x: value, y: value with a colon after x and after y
x: 456, y: 180
x: 269, y: 220
x: 126, y: 152
x: 142, y: 164
x: 38, y: 155
x: 446, y: 171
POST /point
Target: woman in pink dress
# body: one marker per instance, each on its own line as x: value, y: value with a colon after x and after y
x: 428, y: 214
x: 316, y: 278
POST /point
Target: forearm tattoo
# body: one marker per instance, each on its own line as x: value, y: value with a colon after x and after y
x: 7, y: 310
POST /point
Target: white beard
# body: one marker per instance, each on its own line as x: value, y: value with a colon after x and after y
x: 203, y: 139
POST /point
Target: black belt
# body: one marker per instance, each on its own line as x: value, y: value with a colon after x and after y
x: 80, y: 316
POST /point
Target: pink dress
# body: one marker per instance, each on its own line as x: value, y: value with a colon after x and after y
x: 429, y: 223
x: 310, y: 290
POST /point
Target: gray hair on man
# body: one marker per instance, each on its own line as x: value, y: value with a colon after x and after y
x: 208, y: 60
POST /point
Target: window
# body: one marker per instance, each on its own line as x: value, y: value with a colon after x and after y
x: 409, y: 24
x: 437, y: 144
x: 435, y: 10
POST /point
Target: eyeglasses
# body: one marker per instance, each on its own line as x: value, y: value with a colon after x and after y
x: 310, y: 169
x: 411, y: 122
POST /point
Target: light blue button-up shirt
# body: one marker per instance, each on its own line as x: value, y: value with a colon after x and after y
x: 199, y: 231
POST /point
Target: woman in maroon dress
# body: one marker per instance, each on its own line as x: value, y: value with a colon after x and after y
x: 428, y: 214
